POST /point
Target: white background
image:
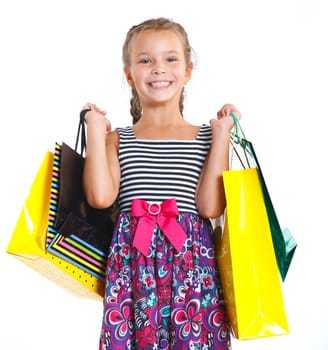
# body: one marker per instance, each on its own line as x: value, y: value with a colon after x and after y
x: 269, y: 58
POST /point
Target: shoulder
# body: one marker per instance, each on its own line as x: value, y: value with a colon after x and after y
x: 115, y: 137
x: 205, y: 128
x: 123, y: 131
x: 205, y: 132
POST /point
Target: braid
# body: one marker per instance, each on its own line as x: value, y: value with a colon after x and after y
x: 135, y: 106
x: 181, y: 100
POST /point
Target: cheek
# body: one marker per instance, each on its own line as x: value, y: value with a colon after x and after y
x: 136, y: 75
x: 140, y: 80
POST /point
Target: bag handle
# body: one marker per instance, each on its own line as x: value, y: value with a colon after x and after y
x: 235, y: 138
x: 236, y: 135
x: 81, y: 135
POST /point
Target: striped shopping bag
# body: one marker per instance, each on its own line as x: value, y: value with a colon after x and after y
x: 77, y: 233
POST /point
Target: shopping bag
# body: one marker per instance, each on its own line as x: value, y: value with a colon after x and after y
x: 283, y: 241
x: 28, y: 241
x: 247, y: 264
x: 77, y: 233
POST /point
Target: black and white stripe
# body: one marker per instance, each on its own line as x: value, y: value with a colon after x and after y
x: 156, y: 170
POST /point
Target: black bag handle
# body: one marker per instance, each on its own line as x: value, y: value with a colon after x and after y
x: 81, y: 135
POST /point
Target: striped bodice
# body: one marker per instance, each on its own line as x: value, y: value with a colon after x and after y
x: 155, y: 170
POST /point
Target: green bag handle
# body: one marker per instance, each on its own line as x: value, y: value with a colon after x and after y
x: 237, y: 128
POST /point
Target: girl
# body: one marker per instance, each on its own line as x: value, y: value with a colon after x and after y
x: 162, y: 287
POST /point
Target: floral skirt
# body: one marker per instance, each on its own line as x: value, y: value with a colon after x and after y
x: 166, y: 300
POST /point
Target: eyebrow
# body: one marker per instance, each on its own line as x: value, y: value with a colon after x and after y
x: 170, y: 52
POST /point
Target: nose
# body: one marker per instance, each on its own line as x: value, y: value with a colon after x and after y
x: 158, y: 69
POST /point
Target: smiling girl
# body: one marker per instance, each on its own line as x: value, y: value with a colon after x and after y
x: 162, y: 288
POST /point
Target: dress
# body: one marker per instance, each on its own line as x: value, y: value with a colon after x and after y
x: 162, y: 298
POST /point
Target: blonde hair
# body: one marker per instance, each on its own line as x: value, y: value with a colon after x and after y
x: 153, y: 24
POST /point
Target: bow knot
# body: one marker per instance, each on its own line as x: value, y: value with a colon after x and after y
x: 164, y: 215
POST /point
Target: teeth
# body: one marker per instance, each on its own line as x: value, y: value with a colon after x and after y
x: 160, y: 84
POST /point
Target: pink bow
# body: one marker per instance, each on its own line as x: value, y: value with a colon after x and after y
x: 164, y: 215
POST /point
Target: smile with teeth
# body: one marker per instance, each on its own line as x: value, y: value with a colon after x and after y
x: 158, y: 84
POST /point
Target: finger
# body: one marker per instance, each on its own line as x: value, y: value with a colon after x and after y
x: 220, y: 113
x: 228, y: 110
x: 94, y: 108
x: 224, y: 111
x: 228, y: 106
x: 86, y: 106
x: 98, y: 110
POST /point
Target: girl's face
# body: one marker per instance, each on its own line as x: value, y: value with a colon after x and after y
x: 158, y: 68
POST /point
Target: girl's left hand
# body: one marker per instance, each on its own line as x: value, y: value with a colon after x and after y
x: 224, y: 121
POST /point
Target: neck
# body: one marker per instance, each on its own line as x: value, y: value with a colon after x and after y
x: 161, y: 116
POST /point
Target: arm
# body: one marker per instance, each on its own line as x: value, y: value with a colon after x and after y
x: 101, y: 174
x: 210, y: 196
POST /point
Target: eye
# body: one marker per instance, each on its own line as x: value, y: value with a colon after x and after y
x: 144, y: 61
x: 172, y: 59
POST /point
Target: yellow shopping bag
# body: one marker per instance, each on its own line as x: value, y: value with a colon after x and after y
x: 28, y: 240
x: 248, y: 268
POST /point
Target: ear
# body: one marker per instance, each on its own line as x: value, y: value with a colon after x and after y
x: 128, y: 76
x: 189, y: 69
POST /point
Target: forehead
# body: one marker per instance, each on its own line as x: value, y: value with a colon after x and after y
x: 149, y: 40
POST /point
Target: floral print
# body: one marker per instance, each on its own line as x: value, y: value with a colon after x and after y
x: 167, y: 300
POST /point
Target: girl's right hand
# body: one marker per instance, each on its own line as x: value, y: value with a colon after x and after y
x: 96, y: 115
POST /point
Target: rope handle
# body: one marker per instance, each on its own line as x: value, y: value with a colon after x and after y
x: 81, y: 134
x: 236, y: 135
